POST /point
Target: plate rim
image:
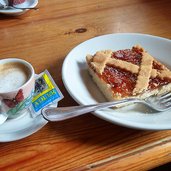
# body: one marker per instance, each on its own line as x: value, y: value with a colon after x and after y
x: 98, y: 113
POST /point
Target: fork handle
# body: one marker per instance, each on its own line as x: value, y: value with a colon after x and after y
x: 63, y: 113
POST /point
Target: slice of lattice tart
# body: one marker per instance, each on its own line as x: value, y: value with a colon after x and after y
x: 128, y: 73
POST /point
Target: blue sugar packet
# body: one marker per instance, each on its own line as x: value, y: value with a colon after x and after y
x: 46, y: 92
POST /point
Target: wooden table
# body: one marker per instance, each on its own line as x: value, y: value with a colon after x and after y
x: 44, y: 38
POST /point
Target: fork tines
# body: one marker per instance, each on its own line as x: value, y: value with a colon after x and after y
x: 164, y: 95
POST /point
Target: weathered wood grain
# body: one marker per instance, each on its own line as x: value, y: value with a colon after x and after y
x: 44, y: 38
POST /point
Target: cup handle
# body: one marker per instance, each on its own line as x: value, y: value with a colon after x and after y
x: 3, y: 116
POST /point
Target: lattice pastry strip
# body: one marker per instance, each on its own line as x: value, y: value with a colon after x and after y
x: 144, y: 73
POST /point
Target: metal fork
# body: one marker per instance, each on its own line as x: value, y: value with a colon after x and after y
x: 159, y: 103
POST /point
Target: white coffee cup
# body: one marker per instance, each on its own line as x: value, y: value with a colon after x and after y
x: 16, y: 87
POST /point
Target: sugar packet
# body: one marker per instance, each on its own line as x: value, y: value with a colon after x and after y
x: 46, y: 93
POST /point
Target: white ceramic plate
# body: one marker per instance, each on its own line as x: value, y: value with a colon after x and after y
x: 81, y: 87
x: 27, y: 3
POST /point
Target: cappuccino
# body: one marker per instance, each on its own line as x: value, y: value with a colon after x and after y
x: 13, y: 75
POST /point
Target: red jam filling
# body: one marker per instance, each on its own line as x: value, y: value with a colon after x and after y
x: 122, y: 81
x: 157, y: 82
x: 133, y: 56
x: 157, y: 66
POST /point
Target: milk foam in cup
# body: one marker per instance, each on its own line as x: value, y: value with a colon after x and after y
x: 13, y: 75
x: 16, y: 87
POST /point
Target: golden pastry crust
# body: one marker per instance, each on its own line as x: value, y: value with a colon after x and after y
x: 147, y: 71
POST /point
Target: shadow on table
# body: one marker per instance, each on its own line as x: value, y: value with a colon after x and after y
x: 89, y: 129
x: 165, y: 167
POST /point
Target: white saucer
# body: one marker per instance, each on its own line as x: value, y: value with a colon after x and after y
x: 14, y: 12
x: 15, y: 129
